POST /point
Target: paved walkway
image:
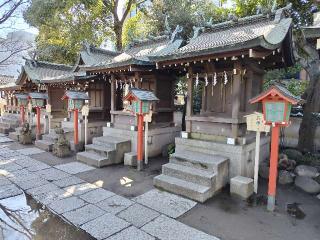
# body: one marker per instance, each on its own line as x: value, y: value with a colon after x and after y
x: 101, y: 213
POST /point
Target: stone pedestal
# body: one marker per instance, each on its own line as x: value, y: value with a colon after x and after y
x: 241, y: 187
x: 61, y: 148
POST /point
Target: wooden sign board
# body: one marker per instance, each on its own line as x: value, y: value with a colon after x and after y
x: 255, y: 122
x: 148, y: 117
x: 85, y: 110
x: 48, y: 108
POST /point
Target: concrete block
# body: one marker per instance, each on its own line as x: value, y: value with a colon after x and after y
x: 74, y: 167
x: 241, y: 186
x: 66, y: 205
x: 166, y: 203
x: 167, y: 228
x: 131, y: 233
x: 130, y: 159
x: 138, y: 215
x: 80, y: 188
x: 68, y: 181
x: 114, y: 204
x: 185, y: 135
x: 104, y: 226
x: 83, y: 215
x: 96, y: 195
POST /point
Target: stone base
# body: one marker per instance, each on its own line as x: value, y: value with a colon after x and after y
x: 130, y: 159
x: 241, y: 187
x: 25, y: 139
x: 61, y: 151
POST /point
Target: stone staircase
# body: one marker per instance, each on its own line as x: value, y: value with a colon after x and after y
x: 47, y: 141
x: 9, y: 122
x: 196, y: 174
x: 105, y: 150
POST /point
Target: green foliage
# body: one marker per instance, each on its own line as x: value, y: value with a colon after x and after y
x: 134, y: 28
x: 184, y: 13
x: 302, y: 11
x: 289, y: 77
x: 64, y: 25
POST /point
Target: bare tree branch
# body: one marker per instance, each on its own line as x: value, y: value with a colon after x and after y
x: 13, y: 5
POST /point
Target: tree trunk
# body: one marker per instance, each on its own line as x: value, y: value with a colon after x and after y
x: 118, y: 32
x: 312, y: 105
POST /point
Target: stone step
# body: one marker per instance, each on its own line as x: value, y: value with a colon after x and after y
x: 187, y: 189
x: 208, y: 162
x: 93, y: 159
x: 189, y: 174
x: 44, y: 145
x: 112, y: 141
x: 14, y: 135
x: 101, y: 150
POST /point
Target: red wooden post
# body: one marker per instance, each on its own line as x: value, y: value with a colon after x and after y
x: 140, y: 142
x: 38, y: 123
x: 76, y: 134
x: 273, y: 170
x: 22, y: 114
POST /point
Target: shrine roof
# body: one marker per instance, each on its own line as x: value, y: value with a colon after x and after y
x: 266, y: 31
x: 277, y: 89
x: 5, y: 79
x: 38, y: 95
x: 313, y: 31
x: 37, y: 71
x: 139, y: 53
x: 141, y: 94
x: 21, y: 95
x: 91, y: 55
x: 75, y: 95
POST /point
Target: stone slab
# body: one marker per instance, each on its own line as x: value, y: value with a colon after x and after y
x: 30, y: 151
x: 104, y: 226
x: 83, y: 215
x: 74, y: 167
x: 9, y: 191
x: 52, y: 174
x: 165, y: 228
x: 26, y: 161
x: 37, y: 167
x: 42, y: 189
x: 52, y: 196
x: 32, y: 183
x: 114, y: 204
x: 66, y: 205
x: 81, y: 188
x: 96, y: 195
x: 166, y: 203
x: 68, y: 181
x: 4, y: 181
x: 11, y: 166
x: 138, y: 215
x: 131, y: 233
x: 5, y: 139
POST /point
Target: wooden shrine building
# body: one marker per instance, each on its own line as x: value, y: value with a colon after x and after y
x: 133, y: 68
x: 225, y: 62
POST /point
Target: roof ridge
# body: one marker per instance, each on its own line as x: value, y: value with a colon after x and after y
x: 103, y: 51
x: 148, y: 40
x: 240, y: 22
x: 45, y: 64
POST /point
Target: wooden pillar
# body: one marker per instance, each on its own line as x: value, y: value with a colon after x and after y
x: 113, y: 97
x: 189, y: 111
x: 137, y: 77
x: 76, y: 128
x: 236, y: 97
x: 38, y: 123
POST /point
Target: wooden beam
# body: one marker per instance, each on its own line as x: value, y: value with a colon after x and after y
x: 259, y: 54
x: 189, y: 109
x: 113, y: 96
x: 236, y: 97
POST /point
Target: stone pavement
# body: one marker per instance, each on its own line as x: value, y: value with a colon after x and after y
x: 101, y: 213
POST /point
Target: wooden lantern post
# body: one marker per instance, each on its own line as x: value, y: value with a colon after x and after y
x: 22, y: 102
x: 38, y: 101
x: 276, y: 103
x: 140, y: 106
x: 76, y: 101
